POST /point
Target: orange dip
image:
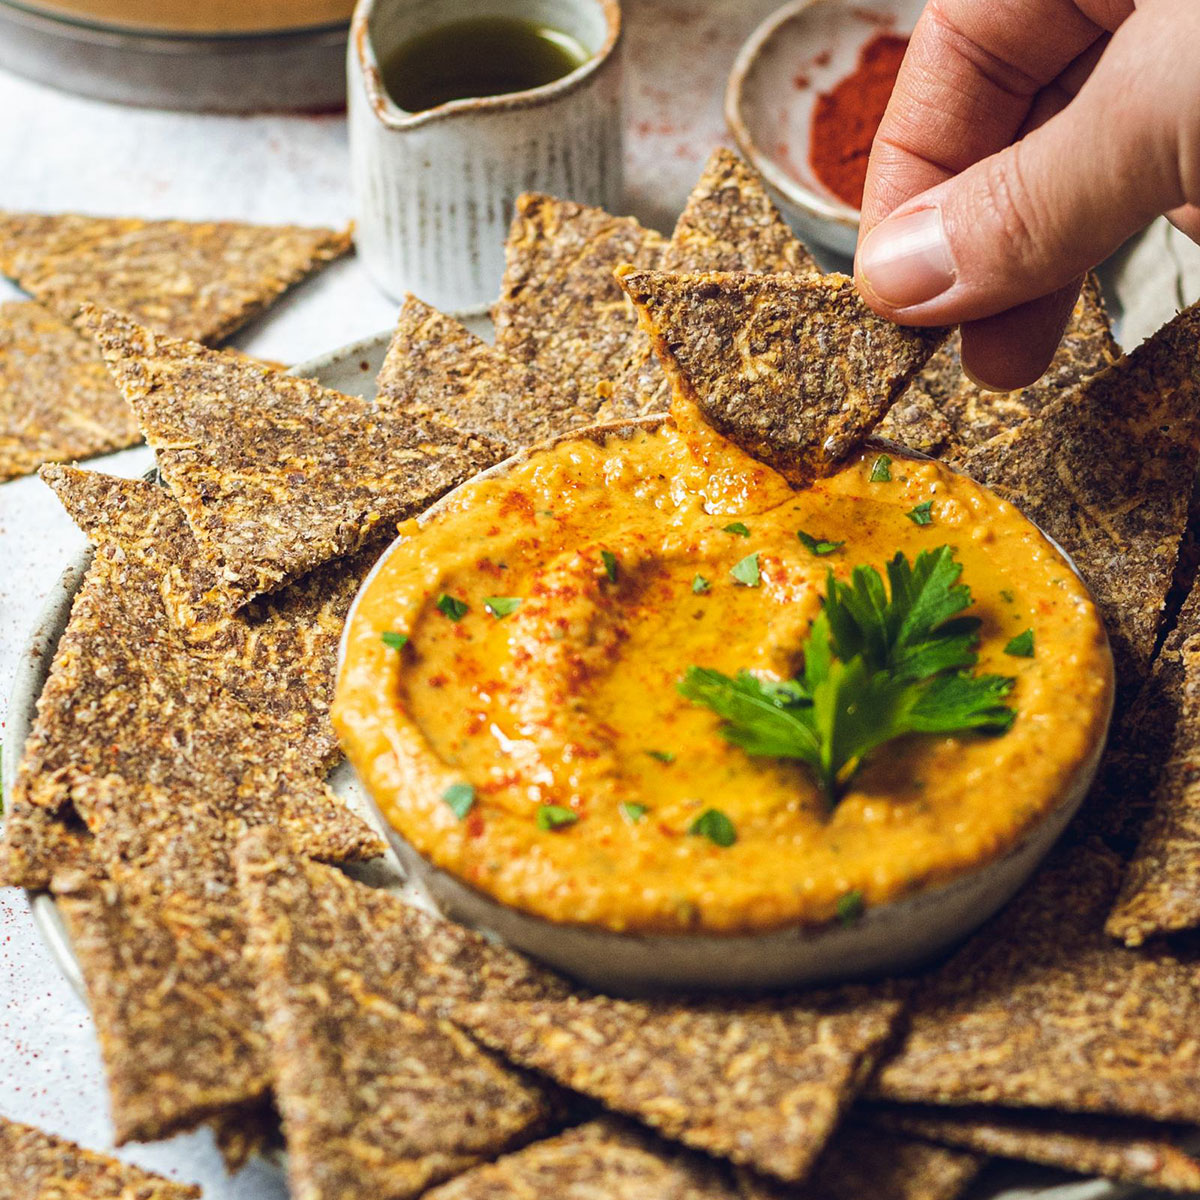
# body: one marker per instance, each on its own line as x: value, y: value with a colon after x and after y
x: 570, y: 699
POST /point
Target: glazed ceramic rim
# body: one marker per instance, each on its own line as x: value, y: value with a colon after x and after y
x: 825, y: 208
x: 395, y: 117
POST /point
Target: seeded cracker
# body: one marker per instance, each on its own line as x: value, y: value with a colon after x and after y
x: 1106, y: 470
x: 756, y: 354
x: 1161, y: 889
x: 276, y: 475
x: 196, y: 280
x: 1041, y: 1009
x: 1137, y: 1152
x: 378, y: 1098
x: 56, y: 399
x: 39, y: 1166
x: 762, y: 1083
x: 946, y: 415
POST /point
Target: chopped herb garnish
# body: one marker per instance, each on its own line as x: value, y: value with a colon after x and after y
x: 1021, y: 646
x: 610, y: 565
x: 452, y: 607
x: 737, y: 528
x: 394, y: 641
x: 1007, y: 596
x: 555, y: 816
x: 818, y: 546
x: 713, y: 824
x: 746, y: 572
x: 501, y: 606
x: 850, y: 907
x: 922, y: 514
x: 876, y: 668
x: 633, y: 813
x: 547, y: 512
x: 460, y: 797
x: 700, y: 585
x: 881, y: 471
x: 663, y: 756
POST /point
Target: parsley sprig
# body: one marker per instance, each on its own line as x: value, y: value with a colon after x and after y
x: 877, y: 666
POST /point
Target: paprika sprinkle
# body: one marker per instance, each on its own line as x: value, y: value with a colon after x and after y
x: 845, y: 119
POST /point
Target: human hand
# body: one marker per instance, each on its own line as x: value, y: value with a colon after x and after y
x: 1025, y: 141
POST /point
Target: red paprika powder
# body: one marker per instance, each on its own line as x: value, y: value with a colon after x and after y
x: 845, y: 120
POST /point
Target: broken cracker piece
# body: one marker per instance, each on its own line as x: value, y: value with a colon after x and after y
x: 377, y: 1097
x: 200, y: 280
x: 762, y: 1083
x: 794, y: 369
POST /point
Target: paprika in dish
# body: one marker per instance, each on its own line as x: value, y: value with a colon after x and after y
x: 845, y: 120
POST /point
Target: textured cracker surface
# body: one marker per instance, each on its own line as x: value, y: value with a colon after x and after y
x: 1161, y: 889
x: 795, y: 369
x: 763, y: 1084
x: 1106, y: 470
x: 39, y: 1166
x: 946, y: 415
x: 378, y: 1098
x: 57, y: 402
x: 1042, y: 1009
x: 196, y: 280
x: 1138, y: 1152
x: 276, y: 475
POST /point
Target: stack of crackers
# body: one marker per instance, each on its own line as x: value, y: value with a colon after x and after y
x: 172, y: 795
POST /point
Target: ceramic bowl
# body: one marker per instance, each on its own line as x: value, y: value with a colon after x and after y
x: 434, y: 190
x: 887, y: 939
x: 801, y: 51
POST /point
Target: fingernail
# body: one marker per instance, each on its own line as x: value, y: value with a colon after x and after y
x: 906, y: 260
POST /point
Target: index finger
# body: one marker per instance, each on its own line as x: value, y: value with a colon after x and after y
x: 967, y: 85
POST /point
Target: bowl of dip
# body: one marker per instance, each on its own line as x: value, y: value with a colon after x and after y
x: 507, y: 694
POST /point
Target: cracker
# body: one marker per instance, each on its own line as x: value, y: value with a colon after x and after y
x: 602, y: 1159
x: 762, y: 1083
x: 1106, y: 470
x: 196, y: 280
x: 57, y: 402
x: 795, y: 369
x: 1042, y: 1010
x: 435, y: 363
x: 39, y: 1166
x: 1137, y: 1152
x: 946, y: 415
x: 378, y: 1097
x: 560, y: 310
x: 275, y: 474
x: 1161, y: 890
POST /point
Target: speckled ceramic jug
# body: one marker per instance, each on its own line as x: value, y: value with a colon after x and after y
x: 435, y: 189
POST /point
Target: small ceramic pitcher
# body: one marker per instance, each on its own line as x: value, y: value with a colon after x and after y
x: 435, y: 189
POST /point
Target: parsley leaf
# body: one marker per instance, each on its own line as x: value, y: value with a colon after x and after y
x: 876, y: 667
x: 501, y: 606
x: 555, y: 816
x: 394, y: 641
x: 700, y: 585
x: 460, y: 797
x: 850, y: 907
x: 633, y: 813
x: 662, y: 756
x: 922, y: 514
x: 881, y: 471
x: 452, y: 607
x: 746, y: 571
x: 1021, y: 646
x: 610, y: 565
x: 818, y: 546
x: 738, y: 528
x: 713, y: 824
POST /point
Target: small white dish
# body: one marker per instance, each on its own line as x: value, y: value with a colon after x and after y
x: 795, y: 55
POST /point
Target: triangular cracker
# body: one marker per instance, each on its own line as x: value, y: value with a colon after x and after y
x: 1106, y: 470
x: 57, y: 402
x: 1041, y: 1009
x: 275, y: 474
x: 762, y: 1083
x: 795, y: 369
x: 190, y: 279
x: 378, y: 1097
x: 1137, y: 1152
x: 39, y: 1166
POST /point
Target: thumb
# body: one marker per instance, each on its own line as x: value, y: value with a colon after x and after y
x: 1027, y: 221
